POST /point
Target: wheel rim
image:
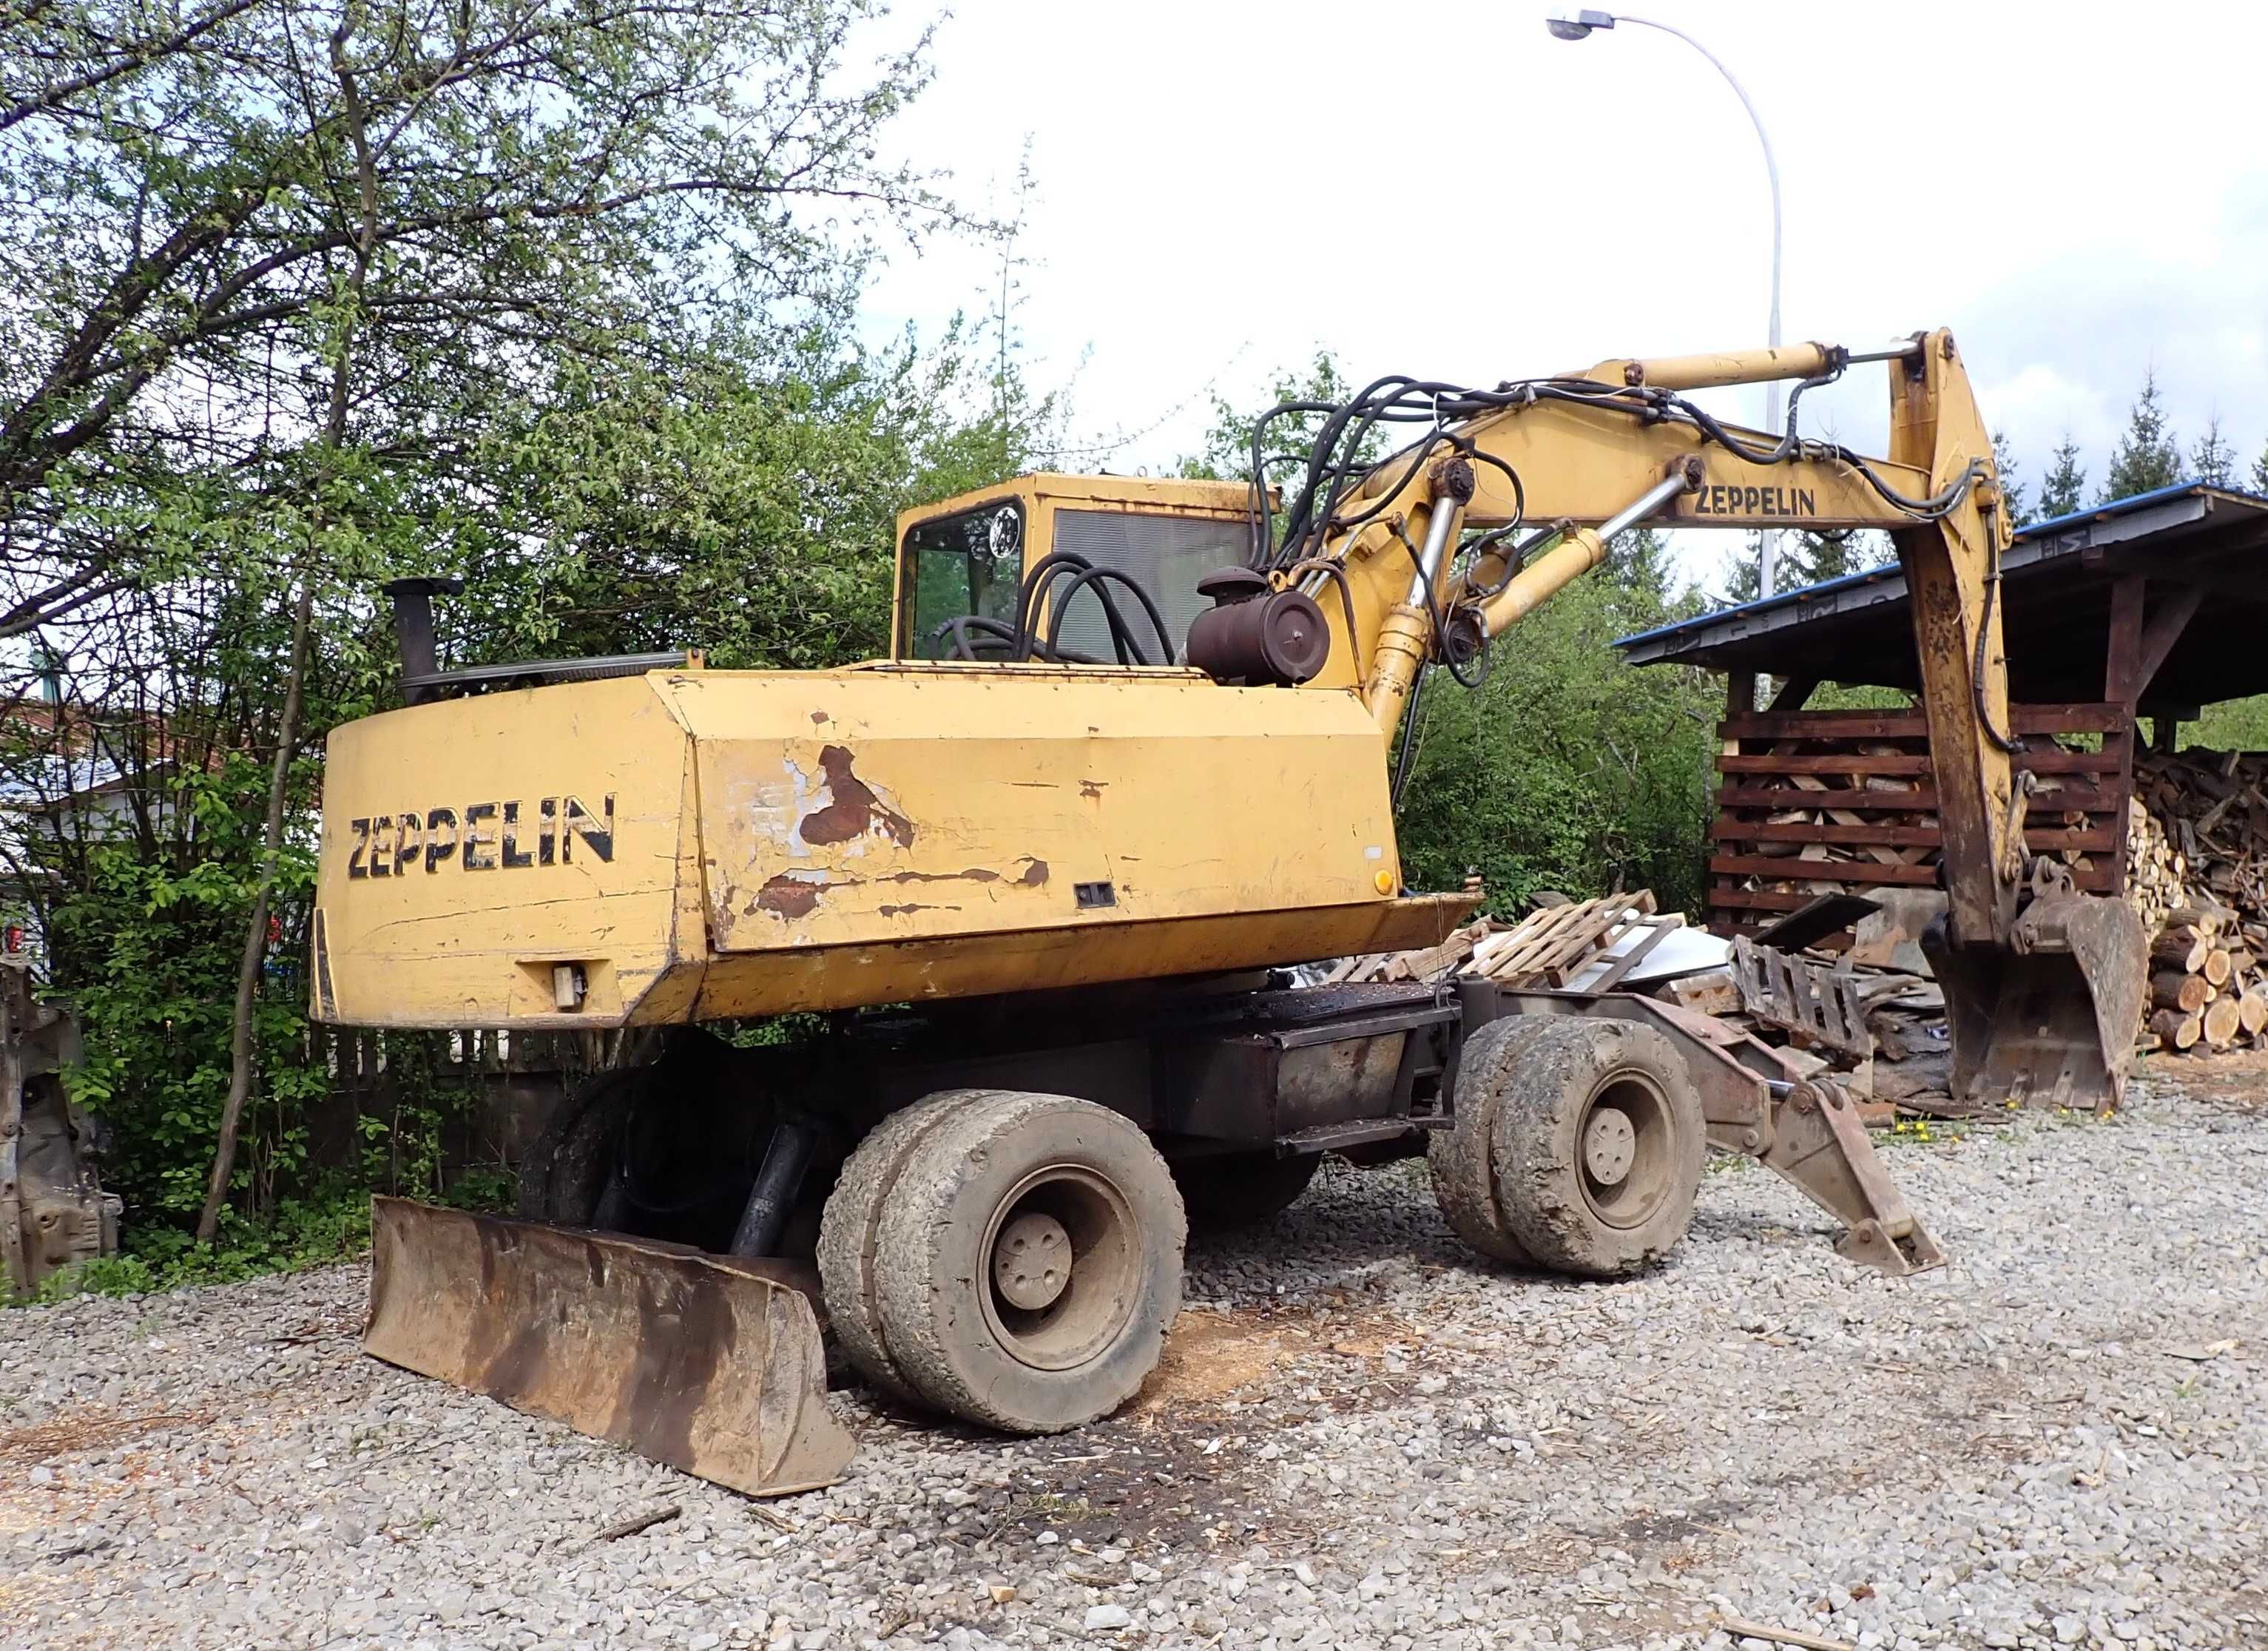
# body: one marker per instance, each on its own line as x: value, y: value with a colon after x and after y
x: 1625, y: 1150
x: 1071, y: 1211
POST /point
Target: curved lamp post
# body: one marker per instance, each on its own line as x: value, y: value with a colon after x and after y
x: 1580, y: 27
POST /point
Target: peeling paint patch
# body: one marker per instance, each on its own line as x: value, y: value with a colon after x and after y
x: 974, y: 874
x: 818, y: 717
x: 900, y: 911
x: 789, y: 896
x: 852, y: 809
x: 1036, y: 874
x: 1092, y: 787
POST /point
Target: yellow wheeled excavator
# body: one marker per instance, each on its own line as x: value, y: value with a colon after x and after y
x: 1040, y: 872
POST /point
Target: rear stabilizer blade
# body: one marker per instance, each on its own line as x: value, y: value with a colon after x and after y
x: 706, y: 1363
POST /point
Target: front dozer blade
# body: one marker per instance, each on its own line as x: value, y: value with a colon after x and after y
x: 707, y: 1363
x: 2052, y: 1020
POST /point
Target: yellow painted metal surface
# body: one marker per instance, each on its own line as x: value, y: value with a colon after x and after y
x: 433, y: 908
x: 700, y: 845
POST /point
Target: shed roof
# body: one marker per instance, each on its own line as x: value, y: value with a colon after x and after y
x: 2056, y: 583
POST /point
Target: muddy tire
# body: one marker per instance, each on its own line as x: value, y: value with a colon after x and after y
x: 1460, y: 1157
x: 1598, y: 1147
x: 1223, y: 1191
x: 565, y: 1171
x: 848, y: 1231
x: 1028, y: 1262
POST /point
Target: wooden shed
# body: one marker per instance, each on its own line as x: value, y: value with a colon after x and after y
x: 2152, y: 608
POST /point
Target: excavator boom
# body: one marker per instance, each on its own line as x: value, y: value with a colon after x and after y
x: 2043, y: 984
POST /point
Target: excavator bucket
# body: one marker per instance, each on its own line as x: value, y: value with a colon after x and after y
x: 707, y: 1363
x: 2052, y: 1020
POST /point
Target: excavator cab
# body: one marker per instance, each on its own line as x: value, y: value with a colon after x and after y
x: 965, y: 563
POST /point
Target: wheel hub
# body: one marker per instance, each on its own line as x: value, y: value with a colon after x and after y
x: 1609, y: 1144
x: 1031, y: 1260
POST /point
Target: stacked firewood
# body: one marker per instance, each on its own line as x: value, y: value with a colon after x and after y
x: 2214, y: 808
x: 2206, y: 986
x: 2198, y: 871
x: 2156, y: 871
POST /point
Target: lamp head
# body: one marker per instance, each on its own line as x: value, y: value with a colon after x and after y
x: 1579, y: 25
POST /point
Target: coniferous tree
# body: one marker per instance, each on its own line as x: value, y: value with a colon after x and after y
x: 2260, y: 471
x: 2004, y: 460
x: 2147, y: 456
x: 2212, y: 461
x: 2062, y: 491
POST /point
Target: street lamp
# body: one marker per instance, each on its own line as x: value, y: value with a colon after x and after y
x: 1580, y: 27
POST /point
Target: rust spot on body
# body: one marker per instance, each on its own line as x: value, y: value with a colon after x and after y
x: 1092, y: 787
x: 854, y: 809
x: 788, y: 895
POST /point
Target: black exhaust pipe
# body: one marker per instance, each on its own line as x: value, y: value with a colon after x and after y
x: 413, y: 631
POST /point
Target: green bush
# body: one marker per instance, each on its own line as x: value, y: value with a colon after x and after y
x: 1567, y: 770
x: 296, y: 1235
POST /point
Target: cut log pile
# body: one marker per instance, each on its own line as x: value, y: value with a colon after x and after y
x: 2207, y: 987
x: 2198, y: 867
x: 2198, y: 876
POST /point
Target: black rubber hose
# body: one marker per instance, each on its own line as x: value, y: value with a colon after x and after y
x: 1041, y: 572
x: 1408, y: 735
x: 1098, y: 577
x: 1976, y: 664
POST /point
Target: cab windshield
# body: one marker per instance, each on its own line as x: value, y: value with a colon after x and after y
x: 972, y: 562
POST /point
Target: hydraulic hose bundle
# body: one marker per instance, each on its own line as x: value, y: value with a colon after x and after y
x: 975, y: 637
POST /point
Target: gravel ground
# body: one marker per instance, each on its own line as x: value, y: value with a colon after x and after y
x: 1361, y: 1437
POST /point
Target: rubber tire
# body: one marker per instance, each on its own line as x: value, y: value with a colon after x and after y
x: 848, y: 1227
x: 928, y: 1268
x: 1460, y: 1158
x: 566, y: 1169
x: 1537, y: 1149
x: 1223, y: 1191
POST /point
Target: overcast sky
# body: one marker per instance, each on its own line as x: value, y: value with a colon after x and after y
x: 2080, y: 191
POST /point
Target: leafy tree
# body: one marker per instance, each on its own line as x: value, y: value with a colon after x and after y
x: 1226, y: 453
x: 1567, y: 770
x: 2260, y: 472
x: 2063, y: 492
x: 707, y: 507
x: 2147, y: 457
x: 1639, y: 561
x: 310, y: 293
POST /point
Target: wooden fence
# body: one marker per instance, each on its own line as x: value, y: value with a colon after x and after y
x: 1813, y: 802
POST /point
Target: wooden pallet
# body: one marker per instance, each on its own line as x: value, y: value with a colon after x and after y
x: 1549, y: 948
